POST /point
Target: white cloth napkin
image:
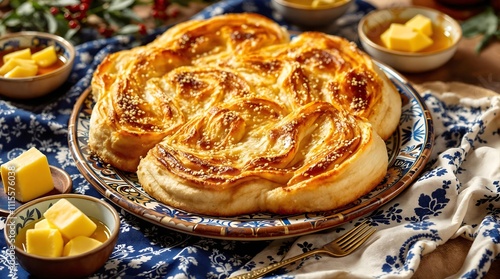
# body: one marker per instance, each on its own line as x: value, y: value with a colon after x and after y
x: 457, y: 195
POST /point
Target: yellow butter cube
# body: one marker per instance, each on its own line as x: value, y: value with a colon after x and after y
x: 44, y: 224
x: 22, y: 71
x: 23, y: 54
x: 24, y: 61
x: 45, y: 57
x: 69, y: 219
x: 386, y: 38
x: 12, y: 63
x: 79, y: 245
x: 421, y: 24
x: 8, y: 66
x: 402, y: 38
x: 44, y: 242
x: 28, y: 175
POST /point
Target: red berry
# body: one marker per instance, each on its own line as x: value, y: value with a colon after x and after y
x: 54, y: 10
x: 106, y: 31
x: 74, y: 8
x: 68, y: 16
x: 73, y: 24
x: 174, y: 12
x: 142, y: 29
x: 109, y: 33
x: 160, y: 5
x: 101, y: 30
x: 156, y: 13
x: 83, y: 7
x: 80, y: 15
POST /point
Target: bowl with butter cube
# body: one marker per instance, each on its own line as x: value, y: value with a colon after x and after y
x: 63, y: 236
x: 410, y: 39
x: 311, y: 14
x: 33, y: 64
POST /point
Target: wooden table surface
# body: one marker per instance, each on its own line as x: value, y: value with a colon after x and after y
x: 481, y: 69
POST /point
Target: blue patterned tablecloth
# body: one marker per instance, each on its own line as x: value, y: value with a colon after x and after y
x: 457, y: 195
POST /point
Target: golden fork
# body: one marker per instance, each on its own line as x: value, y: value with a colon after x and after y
x: 340, y: 247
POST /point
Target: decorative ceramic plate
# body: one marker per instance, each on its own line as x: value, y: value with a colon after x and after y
x: 409, y: 149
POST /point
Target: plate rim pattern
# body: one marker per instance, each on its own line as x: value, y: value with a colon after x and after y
x: 252, y: 226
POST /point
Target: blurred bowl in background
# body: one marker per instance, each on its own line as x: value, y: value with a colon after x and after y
x: 39, y: 85
x: 304, y: 14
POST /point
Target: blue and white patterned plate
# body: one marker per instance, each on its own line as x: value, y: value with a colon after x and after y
x: 409, y: 149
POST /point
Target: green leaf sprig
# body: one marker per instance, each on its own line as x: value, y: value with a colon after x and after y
x: 70, y: 18
x: 486, y: 24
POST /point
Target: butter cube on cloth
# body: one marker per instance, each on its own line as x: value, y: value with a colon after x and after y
x: 70, y: 220
x: 29, y: 174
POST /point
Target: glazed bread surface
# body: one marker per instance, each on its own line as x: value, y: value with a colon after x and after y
x: 228, y: 116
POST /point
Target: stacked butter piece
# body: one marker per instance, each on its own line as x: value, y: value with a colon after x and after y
x: 412, y: 36
x: 65, y: 231
x: 22, y: 63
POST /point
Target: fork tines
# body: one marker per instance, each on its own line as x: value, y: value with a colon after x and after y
x: 355, y: 237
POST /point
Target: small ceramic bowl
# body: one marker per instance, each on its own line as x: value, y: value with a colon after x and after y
x: 305, y: 15
x: 373, y: 24
x: 40, y: 85
x: 62, y: 267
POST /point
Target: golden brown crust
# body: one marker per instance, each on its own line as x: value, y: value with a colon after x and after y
x: 136, y: 107
x: 315, y: 158
x: 227, y: 116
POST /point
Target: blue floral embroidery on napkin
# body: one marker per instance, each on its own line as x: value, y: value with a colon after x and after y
x: 494, y: 197
x: 399, y: 263
x: 428, y: 207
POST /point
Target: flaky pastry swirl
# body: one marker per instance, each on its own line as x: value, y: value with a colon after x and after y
x: 234, y: 160
x: 227, y: 116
